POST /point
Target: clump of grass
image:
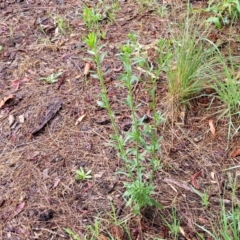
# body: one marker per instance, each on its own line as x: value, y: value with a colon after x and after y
x: 91, y: 17
x: 174, y: 224
x: 227, y: 86
x: 227, y: 226
x: 228, y: 92
x: 188, y: 73
x: 94, y: 17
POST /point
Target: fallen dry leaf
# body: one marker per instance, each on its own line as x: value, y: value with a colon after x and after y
x: 194, y: 177
x: 238, y: 76
x: 98, y: 175
x: 80, y: 119
x: 235, y: 153
x: 165, y: 230
x: 117, y: 232
x: 87, y: 68
x: 5, y: 99
x: 178, y: 183
x: 33, y: 155
x: 88, y: 187
x: 183, y: 233
x: 212, y: 128
x: 212, y: 174
x: 19, y: 209
x: 143, y: 226
x: 17, y: 82
x: 102, y: 237
x: 203, y: 220
x: 57, y: 181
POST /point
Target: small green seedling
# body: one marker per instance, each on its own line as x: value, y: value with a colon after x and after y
x: 53, y: 78
x: 91, y: 17
x: 204, y: 197
x: 81, y: 175
x: 174, y: 225
x: 1, y: 47
x: 62, y: 24
x: 72, y: 234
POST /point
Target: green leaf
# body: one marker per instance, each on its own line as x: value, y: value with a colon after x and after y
x: 134, y: 79
x: 71, y: 234
x: 95, y: 76
x: 89, y: 172
x: 91, y: 52
x: 103, y: 55
x: 216, y: 21
x: 101, y: 104
x: 68, y: 231
x: 156, y: 204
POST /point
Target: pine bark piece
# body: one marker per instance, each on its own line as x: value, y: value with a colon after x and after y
x: 50, y: 114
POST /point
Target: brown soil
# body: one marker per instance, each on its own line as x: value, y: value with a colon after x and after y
x: 39, y: 195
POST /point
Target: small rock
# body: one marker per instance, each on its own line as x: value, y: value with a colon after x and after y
x: 58, y: 159
x: 81, y: 164
x: 1, y: 114
x: 11, y: 120
x: 98, y: 175
x: 84, y: 128
x: 21, y: 118
x: 198, y: 139
x: 33, y: 155
x: 45, y: 173
x: 60, y: 2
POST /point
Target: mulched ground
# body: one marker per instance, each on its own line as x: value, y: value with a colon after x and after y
x: 42, y: 145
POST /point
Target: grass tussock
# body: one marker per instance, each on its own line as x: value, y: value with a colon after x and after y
x: 189, y: 71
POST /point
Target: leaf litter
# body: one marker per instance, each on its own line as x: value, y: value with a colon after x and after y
x: 58, y: 201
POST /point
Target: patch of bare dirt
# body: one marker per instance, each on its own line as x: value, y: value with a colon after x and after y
x: 42, y: 144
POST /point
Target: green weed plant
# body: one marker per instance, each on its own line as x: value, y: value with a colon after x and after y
x: 225, y: 12
x: 227, y: 226
x: 139, y: 147
x: 53, y: 78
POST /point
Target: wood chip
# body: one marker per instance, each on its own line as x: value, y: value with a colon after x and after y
x: 212, y: 128
x: 87, y: 68
x: 235, y: 153
x: 50, y: 114
x: 5, y: 99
